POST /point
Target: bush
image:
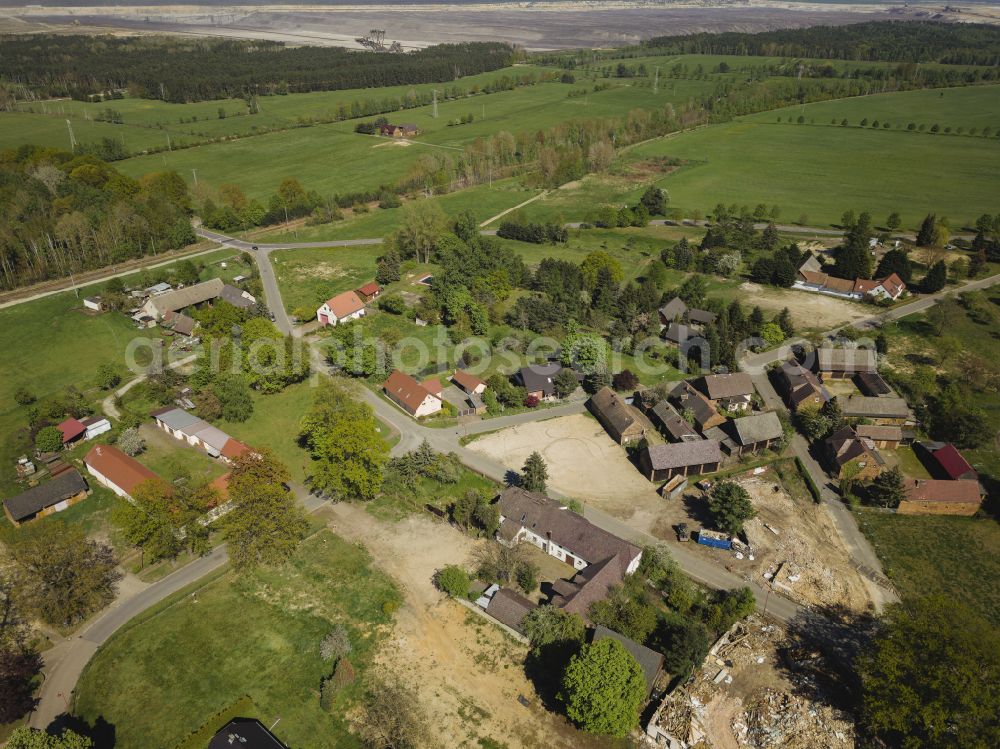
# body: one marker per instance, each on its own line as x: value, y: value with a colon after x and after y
x: 453, y: 580
x: 336, y: 645
x: 625, y: 380
x: 389, y: 200
x: 23, y: 396
x: 531, y: 401
x: 49, y: 440
x: 131, y: 442
x: 394, y: 305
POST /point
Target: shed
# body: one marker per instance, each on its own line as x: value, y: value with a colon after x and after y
x: 54, y: 495
x: 510, y: 608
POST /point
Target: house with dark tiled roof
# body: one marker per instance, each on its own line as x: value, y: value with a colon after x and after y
x: 539, y: 379
x: 673, y: 311
x: 872, y: 384
x: 621, y: 420
x: 691, y: 400
x: 237, y: 297
x: 671, y: 424
x: 800, y: 387
x: 663, y: 462
x: 887, y: 410
x: 733, y: 391
x: 244, y: 733
x: 410, y: 395
x: 850, y: 454
x: 756, y: 432
x: 510, y: 608
x: 941, y: 497
x: 55, y: 495
x: 844, y: 363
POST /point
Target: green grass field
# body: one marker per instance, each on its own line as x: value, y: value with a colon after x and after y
x: 817, y: 172
x: 927, y: 554
x: 308, y: 277
x: 256, y: 636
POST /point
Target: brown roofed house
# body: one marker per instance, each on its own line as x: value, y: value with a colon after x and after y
x: 672, y: 424
x: 468, y: 382
x: 689, y: 398
x: 941, y: 497
x: 886, y: 437
x: 369, y: 291
x: 510, y: 608
x: 616, y: 416
x: 800, y: 386
x: 844, y: 363
x: 733, y: 391
x: 410, y: 395
x: 850, y: 454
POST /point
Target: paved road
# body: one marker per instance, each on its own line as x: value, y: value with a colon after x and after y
x: 65, y: 662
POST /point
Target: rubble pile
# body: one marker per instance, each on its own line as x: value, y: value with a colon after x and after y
x: 777, y: 719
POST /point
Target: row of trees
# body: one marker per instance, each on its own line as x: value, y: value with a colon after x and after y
x: 181, y: 70
x: 62, y: 213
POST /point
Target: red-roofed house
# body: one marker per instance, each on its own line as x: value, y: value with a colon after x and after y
x: 116, y: 470
x: 433, y: 386
x: 72, y: 429
x: 369, y: 291
x: 468, y: 382
x: 341, y: 308
x: 232, y: 450
x: 410, y: 395
x: 935, y: 497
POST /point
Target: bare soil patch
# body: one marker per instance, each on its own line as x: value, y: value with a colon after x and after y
x: 469, y: 674
x: 809, y: 311
x: 401, y: 143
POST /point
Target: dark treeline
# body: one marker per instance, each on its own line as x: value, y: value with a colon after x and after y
x: 179, y: 70
x: 877, y: 41
x: 61, y: 213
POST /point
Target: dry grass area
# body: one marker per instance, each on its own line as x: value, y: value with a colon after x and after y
x: 469, y: 674
x: 758, y: 703
x: 583, y: 463
x: 809, y: 311
x: 802, y: 555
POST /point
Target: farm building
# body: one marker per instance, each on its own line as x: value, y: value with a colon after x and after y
x: 872, y: 384
x: 890, y: 287
x: 662, y: 462
x: 800, y: 386
x: 649, y: 661
x: 944, y: 461
x: 411, y: 395
x: 237, y: 297
x: 406, y: 130
x: 55, y: 495
x: 617, y: 417
x: 94, y: 426
x: 180, y: 323
x: 185, y: 426
x: 196, y: 295
x: 757, y: 432
x: 887, y: 411
x: 688, y: 398
x: 72, y: 430
x: 116, y: 470
x: 510, y: 608
x: 341, y: 308
x: 885, y: 437
x: 844, y: 363
x: 93, y: 303
x: 941, y: 497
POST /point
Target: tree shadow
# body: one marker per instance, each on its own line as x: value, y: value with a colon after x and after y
x: 919, y: 359
x: 512, y: 478
x: 820, y: 654
x: 696, y: 506
x: 101, y: 732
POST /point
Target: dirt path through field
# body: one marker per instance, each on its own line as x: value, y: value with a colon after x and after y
x: 468, y: 673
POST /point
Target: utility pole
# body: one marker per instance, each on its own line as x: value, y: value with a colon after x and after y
x: 169, y: 147
x: 195, y: 173
x: 435, y: 112
x: 656, y: 80
x: 163, y: 96
x: 72, y: 138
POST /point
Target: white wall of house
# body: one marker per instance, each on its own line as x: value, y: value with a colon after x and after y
x: 551, y: 548
x: 326, y: 317
x: 105, y: 481
x: 430, y: 405
x: 100, y: 427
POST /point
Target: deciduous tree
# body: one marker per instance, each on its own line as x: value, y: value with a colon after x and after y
x: 603, y: 689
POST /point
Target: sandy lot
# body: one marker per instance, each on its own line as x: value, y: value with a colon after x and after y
x: 809, y: 311
x: 583, y: 462
x: 468, y: 673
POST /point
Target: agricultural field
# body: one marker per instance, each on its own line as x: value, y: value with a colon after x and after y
x: 835, y: 168
x: 202, y: 650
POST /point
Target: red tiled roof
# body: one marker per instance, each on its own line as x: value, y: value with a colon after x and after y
x: 468, y: 382
x: 952, y: 462
x: 346, y: 304
x: 71, y: 429
x: 124, y: 472
x: 233, y: 449
x: 405, y: 390
x: 934, y: 490
x: 433, y: 386
x: 369, y: 289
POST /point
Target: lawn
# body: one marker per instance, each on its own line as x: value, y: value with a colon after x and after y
x: 819, y: 171
x: 927, y: 554
x: 256, y: 636
x: 308, y: 277
x: 174, y: 460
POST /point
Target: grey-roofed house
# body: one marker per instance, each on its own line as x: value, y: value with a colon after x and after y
x: 662, y: 462
x: 800, y: 386
x: 872, y: 384
x: 237, y: 297
x: 673, y: 311
x: 673, y: 426
x: 621, y: 421
x: 538, y: 379
x: 678, y: 333
x: 510, y: 608
x: 211, y: 438
x: 733, y: 391
x: 54, y: 495
x: 558, y: 531
x: 757, y: 432
x: 174, y: 421
x: 888, y: 410
x: 689, y: 398
x: 844, y: 363
x: 700, y: 317
x: 190, y: 296
x: 589, y: 585
x: 649, y: 661
x: 811, y: 264
x: 180, y: 323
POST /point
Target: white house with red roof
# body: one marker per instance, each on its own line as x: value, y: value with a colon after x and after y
x: 341, y: 308
x: 417, y: 399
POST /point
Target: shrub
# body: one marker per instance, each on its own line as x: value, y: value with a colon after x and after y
x: 48, y: 440
x: 452, y: 580
x: 389, y: 200
x: 131, y: 442
x: 531, y: 401
x: 336, y: 644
